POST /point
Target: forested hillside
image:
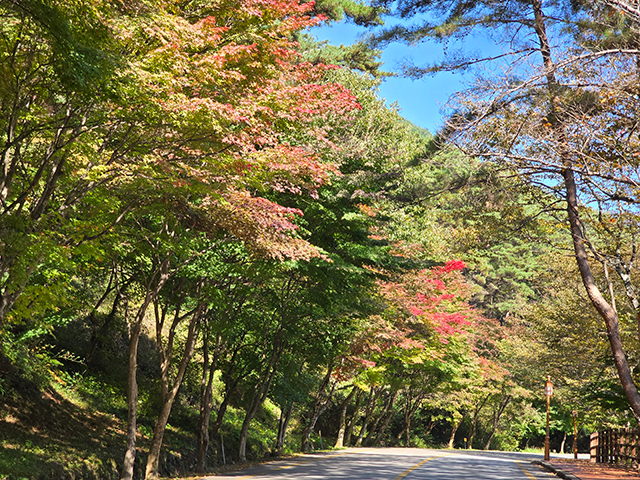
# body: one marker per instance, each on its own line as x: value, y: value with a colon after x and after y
x: 218, y: 243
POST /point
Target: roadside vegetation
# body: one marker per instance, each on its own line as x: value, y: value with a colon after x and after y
x: 218, y: 244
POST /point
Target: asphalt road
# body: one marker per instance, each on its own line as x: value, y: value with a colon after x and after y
x: 398, y: 464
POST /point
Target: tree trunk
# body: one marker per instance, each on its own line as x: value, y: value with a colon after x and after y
x: 223, y: 407
x: 285, y: 417
x: 387, y: 418
x: 153, y: 459
x: 319, y: 406
x: 472, y: 433
x: 457, y: 421
x: 474, y: 421
x: 98, y: 330
x: 369, y: 439
x: 162, y: 275
x: 230, y: 386
x: 132, y: 402
x: 368, y: 413
x: 564, y: 439
x: 605, y: 310
x: 496, y: 419
x: 354, y: 418
x: 206, y: 399
x: 343, y: 418
x: 260, y: 394
x: 407, y: 430
x: 411, y: 407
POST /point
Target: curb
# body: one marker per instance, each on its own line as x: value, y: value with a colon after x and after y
x: 557, y: 471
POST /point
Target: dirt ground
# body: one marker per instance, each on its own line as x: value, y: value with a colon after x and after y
x: 586, y: 470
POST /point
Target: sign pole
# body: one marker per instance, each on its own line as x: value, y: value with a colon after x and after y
x: 548, y: 391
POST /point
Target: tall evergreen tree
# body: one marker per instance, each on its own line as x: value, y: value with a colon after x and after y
x: 537, y: 119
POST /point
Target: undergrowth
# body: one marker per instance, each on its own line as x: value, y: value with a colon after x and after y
x: 60, y: 422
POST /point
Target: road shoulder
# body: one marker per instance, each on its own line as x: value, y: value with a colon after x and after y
x: 585, y: 470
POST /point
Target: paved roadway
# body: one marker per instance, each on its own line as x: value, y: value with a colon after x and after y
x: 398, y: 464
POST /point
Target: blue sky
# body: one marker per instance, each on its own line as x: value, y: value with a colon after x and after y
x: 420, y: 101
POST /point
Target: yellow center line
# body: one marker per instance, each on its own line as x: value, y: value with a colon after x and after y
x: 317, y: 458
x: 301, y: 463
x: 531, y: 477
x: 407, y: 472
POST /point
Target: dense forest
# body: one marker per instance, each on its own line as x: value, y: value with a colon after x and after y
x: 218, y: 243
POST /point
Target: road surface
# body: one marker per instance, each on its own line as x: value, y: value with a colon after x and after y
x: 398, y: 464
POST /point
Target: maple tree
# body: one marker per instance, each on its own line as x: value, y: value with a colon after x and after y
x: 439, y: 306
x: 190, y: 109
x: 418, y: 344
x: 53, y: 74
x: 211, y: 109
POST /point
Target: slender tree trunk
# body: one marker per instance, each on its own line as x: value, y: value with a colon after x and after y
x: 387, y: 418
x: 407, y: 430
x: 609, y: 315
x: 153, y: 459
x: 472, y: 434
x: 319, y: 406
x: 373, y: 429
x: 606, y: 311
x: 457, y: 421
x: 354, y: 418
x: 496, y: 419
x: 98, y: 329
x: 96, y: 341
x: 411, y: 407
x: 132, y: 403
x: 161, y: 275
x: 342, y: 422
x: 474, y: 421
x: 368, y: 413
x: 249, y: 415
x: 407, y: 418
x: 564, y: 439
x: 206, y: 399
x: 285, y: 417
x: 222, y: 410
x: 259, y: 395
x: 230, y: 387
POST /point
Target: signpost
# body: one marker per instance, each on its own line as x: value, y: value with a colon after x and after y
x: 574, y: 413
x: 548, y: 391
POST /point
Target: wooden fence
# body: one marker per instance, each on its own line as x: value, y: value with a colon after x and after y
x: 616, y: 445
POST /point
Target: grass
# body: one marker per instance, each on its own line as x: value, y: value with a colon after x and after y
x: 74, y: 428
x: 44, y: 435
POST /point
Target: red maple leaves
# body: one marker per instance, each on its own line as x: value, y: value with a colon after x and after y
x: 434, y: 299
x: 234, y: 114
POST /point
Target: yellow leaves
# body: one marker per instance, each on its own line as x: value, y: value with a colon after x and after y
x: 367, y: 210
x: 266, y: 227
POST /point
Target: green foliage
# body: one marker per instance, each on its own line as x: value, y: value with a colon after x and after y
x: 78, y: 38
x: 299, y: 216
x: 358, y: 56
x: 358, y: 12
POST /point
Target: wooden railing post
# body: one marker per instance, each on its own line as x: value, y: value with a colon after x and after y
x: 610, y: 443
x: 616, y: 445
x: 593, y: 447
